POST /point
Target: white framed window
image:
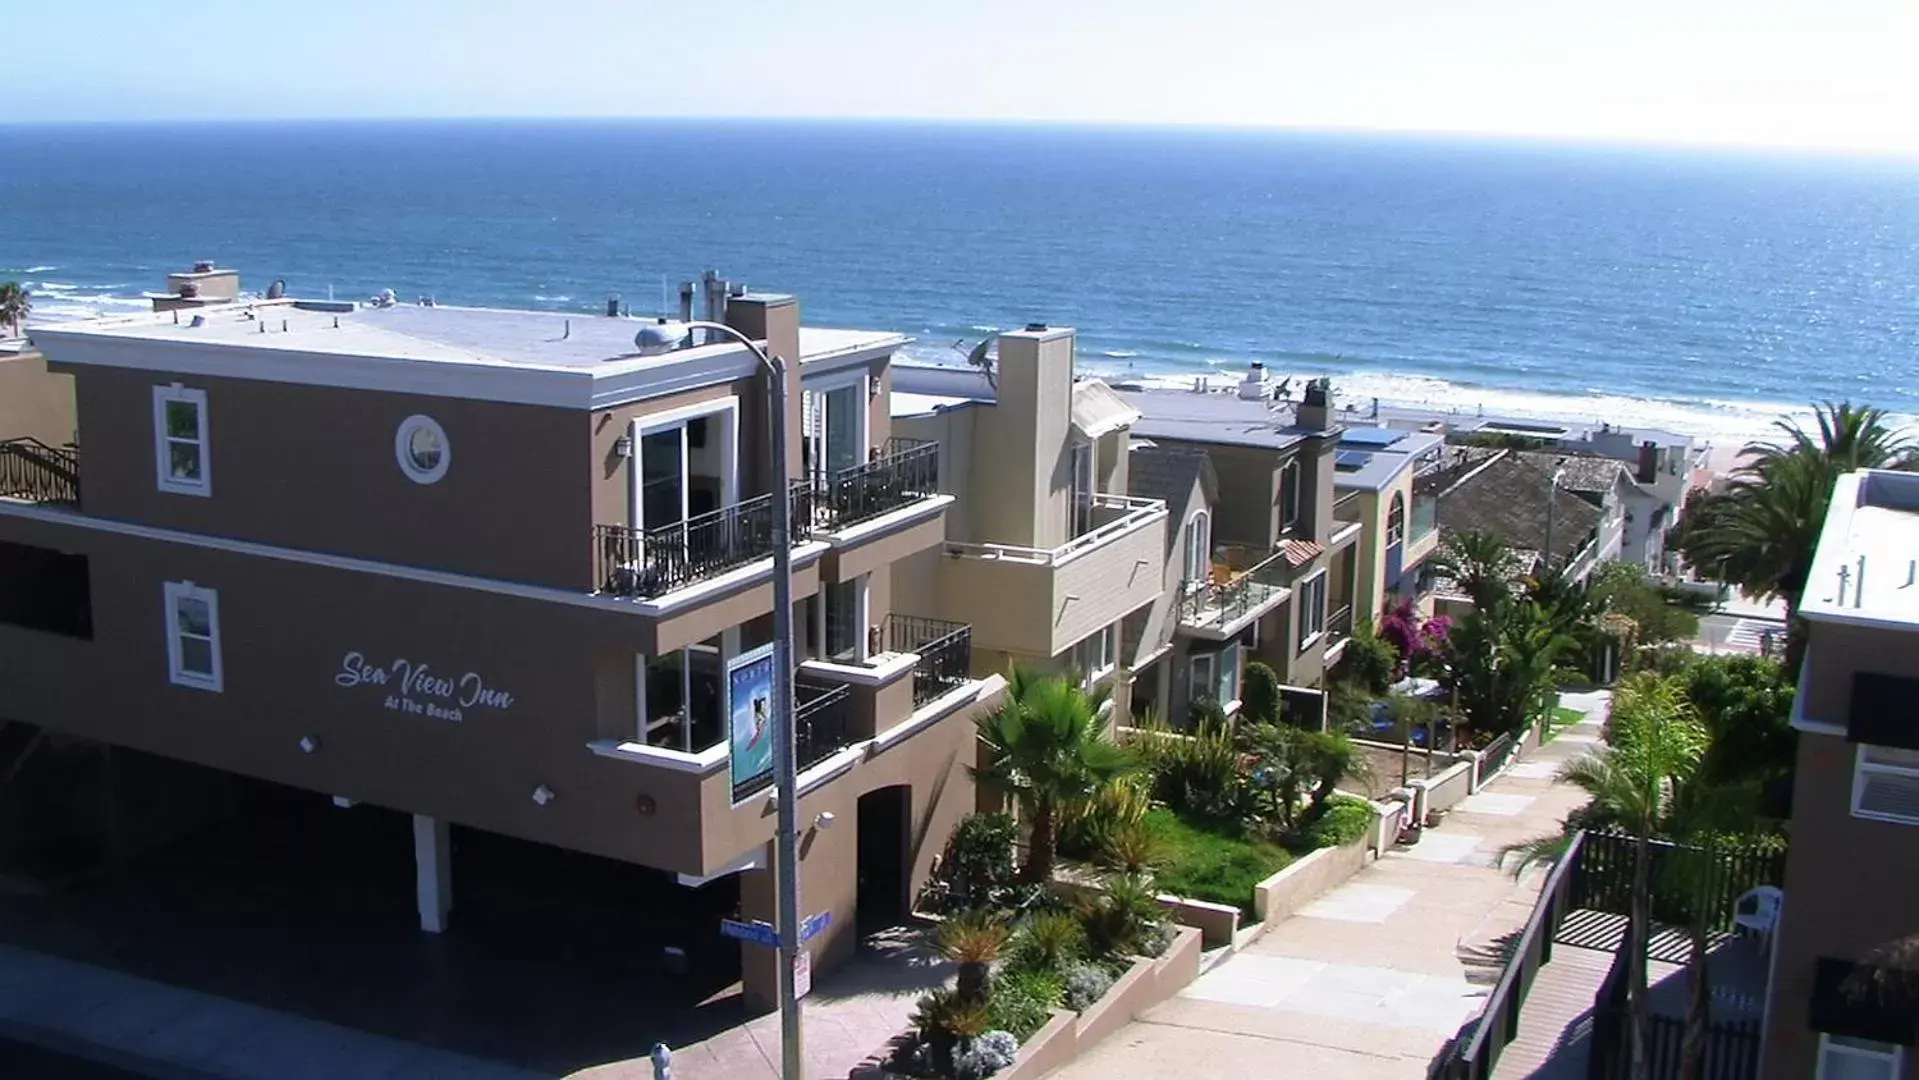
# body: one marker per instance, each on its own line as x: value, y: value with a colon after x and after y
x: 1097, y: 655
x: 1202, y: 676
x: 193, y: 636
x: 1842, y: 1057
x: 1198, y: 552
x: 1396, y: 520
x: 181, y: 453
x: 1289, y: 495
x: 1311, y: 595
x: 1885, y: 784
x: 833, y: 423
x: 422, y: 449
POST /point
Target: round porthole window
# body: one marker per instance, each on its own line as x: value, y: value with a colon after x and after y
x: 422, y: 449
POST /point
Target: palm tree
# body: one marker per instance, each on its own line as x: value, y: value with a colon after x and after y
x: 1654, y: 745
x: 15, y: 303
x: 1760, y: 534
x: 1481, y: 564
x: 1047, y: 746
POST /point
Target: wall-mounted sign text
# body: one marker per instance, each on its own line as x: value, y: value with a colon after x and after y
x: 418, y: 690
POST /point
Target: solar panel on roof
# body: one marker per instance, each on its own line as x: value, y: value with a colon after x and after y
x: 1351, y: 459
x: 1370, y: 436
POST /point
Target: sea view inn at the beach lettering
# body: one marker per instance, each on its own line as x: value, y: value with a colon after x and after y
x: 418, y: 690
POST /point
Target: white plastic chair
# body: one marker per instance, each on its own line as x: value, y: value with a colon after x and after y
x: 1757, y: 911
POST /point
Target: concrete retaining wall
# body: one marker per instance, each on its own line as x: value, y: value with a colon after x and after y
x: 1219, y: 923
x: 1444, y: 791
x: 1148, y: 982
x: 1303, y: 882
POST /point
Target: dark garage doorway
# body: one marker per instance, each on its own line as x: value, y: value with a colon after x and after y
x: 883, y: 879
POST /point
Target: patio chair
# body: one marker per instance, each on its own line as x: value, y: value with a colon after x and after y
x: 1757, y: 912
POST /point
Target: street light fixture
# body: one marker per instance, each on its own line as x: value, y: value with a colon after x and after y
x: 1552, y: 497
x: 660, y: 337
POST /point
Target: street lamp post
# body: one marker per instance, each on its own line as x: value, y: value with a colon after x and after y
x: 1552, y: 496
x: 664, y: 336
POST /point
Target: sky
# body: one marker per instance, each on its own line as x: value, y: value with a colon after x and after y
x: 1827, y: 74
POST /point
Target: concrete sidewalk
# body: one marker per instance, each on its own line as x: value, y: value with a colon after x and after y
x: 1371, y: 980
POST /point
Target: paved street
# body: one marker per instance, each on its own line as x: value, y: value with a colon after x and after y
x: 1369, y: 982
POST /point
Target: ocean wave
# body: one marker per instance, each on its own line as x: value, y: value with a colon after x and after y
x: 28, y: 269
x: 553, y: 299
x: 1120, y: 354
x: 984, y: 329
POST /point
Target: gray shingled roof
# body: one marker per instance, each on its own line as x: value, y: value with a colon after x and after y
x: 1583, y: 472
x: 1160, y: 472
x: 1508, y: 499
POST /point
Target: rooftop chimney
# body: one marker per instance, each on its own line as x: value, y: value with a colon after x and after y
x: 613, y: 306
x: 1648, y: 469
x: 1316, y: 409
x: 686, y: 301
x: 1253, y: 386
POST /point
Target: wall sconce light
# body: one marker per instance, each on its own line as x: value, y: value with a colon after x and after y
x: 826, y: 820
x: 872, y: 388
x: 542, y: 795
x: 645, y: 805
x: 343, y: 802
x: 623, y: 446
x: 309, y: 744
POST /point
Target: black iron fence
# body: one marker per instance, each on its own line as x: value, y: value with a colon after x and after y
x: 1473, y: 1053
x: 1684, y: 879
x: 651, y: 562
x: 907, y: 472
x: 1732, y: 1046
x: 945, y: 650
x: 1339, y: 625
x: 32, y: 470
x: 822, y: 721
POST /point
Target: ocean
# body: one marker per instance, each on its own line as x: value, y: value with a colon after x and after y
x: 1702, y: 290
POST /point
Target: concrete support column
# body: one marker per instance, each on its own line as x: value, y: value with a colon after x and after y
x: 759, y: 965
x: 432, y: 872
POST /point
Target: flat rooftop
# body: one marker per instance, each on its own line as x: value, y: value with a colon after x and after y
x: 489, y: 353
x: 1220, y: 418
x: 1369, y: 459
x: 1866, y: 569
x: 532, y: 339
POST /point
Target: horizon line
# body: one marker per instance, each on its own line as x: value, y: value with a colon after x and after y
x: 1614, y: 140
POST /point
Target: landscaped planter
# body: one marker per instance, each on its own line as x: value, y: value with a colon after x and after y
x: 1147, y: 982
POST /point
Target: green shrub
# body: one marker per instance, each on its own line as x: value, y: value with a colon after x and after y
x: 1124, y: 919
x: 1047, y: 940
x: 976, y: 869
x: 1085, y: 828
x: 1369, y: 660
x: 1194, y: 774
x: 1207, y: 862
x: 1022, y: 1001
x: 1259, y: 694
x: 1344, y: 820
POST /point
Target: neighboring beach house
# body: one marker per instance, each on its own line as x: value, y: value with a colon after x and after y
x: 1844, y: 993
x: 1662, y: 465
x: 1282, y: 567
x: 502, y: 571
x: 1386, y: 480
x: 1502, y: 493
x: 1046, y: 554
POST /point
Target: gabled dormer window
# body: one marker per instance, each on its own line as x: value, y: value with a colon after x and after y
x: 180, y: 446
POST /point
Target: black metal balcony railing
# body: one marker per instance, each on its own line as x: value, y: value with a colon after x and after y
x: 32, y: 470
x: 1222, y: 601
x: 822, y: 721
x: 945, y: 653
x: 907, y: 472
x: 652, y: 562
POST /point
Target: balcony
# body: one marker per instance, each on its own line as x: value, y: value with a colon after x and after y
x: 1236, y: 595
x: 945, y: 651
x: 32, y: 471
x: 1038, y: 601
x: 1339, y: 630
x: 822, y: 722
x: 646, y: 564
x: 908, y: 472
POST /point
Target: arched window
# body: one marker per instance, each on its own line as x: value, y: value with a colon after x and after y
x: 1396, y: 520
x: 1198, y: 551
x: 1289, y: 495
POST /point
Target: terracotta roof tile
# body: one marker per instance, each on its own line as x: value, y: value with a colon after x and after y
x: 1300, y: 552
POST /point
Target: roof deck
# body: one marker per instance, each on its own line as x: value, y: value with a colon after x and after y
x: 1866, y: 570
x: 538, y: 357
